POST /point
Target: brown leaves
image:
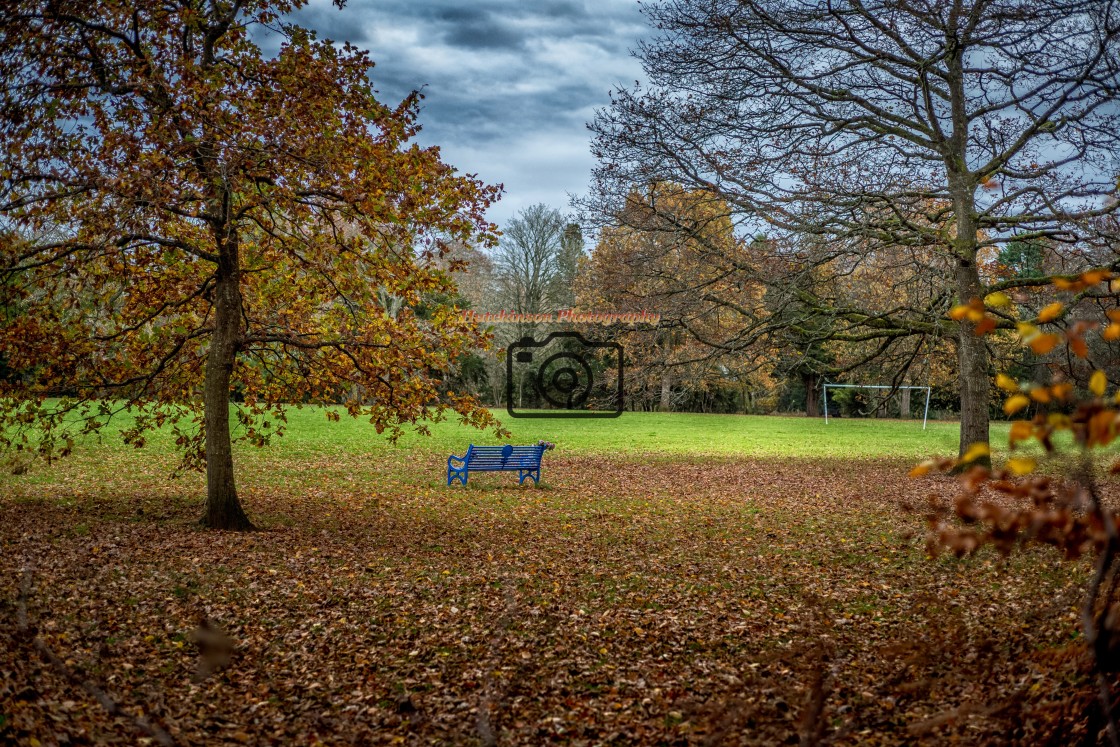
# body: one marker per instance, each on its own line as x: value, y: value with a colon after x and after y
x: 215, y: 649
x: 975, y: 312
x: 1069, y: 513
x: 683, y: 599
x: 1052, y: 515
x: 1078, y: 283
x: 1044, y: 343
x: 1021, y: 430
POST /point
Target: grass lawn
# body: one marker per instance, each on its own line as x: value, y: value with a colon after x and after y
x: 631, y: 435
x: 679, y: 435
x: 675, y: 579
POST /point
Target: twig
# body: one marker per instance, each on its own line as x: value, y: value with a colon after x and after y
x: 491, y: 694
x: 813, y: 724
x: 1092, y: 621
x: 111, y: 706
x: 735, y: 713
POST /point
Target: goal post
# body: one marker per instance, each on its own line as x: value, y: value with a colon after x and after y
x: 925, y: 415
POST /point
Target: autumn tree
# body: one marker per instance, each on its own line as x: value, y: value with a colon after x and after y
x: 674, y: 253
x: 1058, y: 501
x: 222, y: 223
x: 879, y: 126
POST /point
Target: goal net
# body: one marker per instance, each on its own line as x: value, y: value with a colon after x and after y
x: 925, y: 413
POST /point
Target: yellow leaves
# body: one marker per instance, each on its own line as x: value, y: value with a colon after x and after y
x: 1059, y: 421
x: 1006, y: 383
x: 1021, y: 465
x: 974, y: 311
x: 923, y: 469
x: 1062, y: 390
x: 1111, y: 332
x: 1098, y: 382
x: 1050, y: 312
x: 1092, y: 277
x: 1081, y: 282
x: 1043, y: 344
x: 997, y: 300
x: 1016, y: 403
x: 930, y: 465
x: 978, y: 450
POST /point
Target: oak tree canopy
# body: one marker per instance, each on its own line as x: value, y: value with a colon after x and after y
x: 187, y: 219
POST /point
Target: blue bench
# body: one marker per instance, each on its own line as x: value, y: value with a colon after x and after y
x: 525, y: 460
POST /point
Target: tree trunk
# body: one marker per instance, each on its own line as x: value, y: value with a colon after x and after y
x: 904, y: 404
x: 972, y: 353
x: 666, y: 391
x: 223, y: 510
x: 972, y: 357
x: 812, y: 396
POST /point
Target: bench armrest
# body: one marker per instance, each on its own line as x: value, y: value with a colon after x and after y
x: 461, y: 459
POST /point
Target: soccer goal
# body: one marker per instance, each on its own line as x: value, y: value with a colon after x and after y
x: 925, y: 414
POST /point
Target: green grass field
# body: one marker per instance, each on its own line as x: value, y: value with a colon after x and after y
x: 673, y: 435
x: 635, y: 434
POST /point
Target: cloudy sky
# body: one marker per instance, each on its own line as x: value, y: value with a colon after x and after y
x: 509, y: 85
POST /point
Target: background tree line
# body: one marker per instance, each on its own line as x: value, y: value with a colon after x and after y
x: 759, y: 346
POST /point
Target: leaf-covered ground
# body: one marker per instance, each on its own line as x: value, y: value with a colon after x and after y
x: 679, y: 601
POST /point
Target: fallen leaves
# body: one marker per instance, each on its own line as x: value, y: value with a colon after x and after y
x: 647, y: 603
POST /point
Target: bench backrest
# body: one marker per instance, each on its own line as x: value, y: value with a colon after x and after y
x: 504, y: 457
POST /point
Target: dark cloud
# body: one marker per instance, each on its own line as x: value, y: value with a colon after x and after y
x: 486, y: 33
x: 508, y: 84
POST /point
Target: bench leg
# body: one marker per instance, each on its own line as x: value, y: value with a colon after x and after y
x: 523, y: 473
x: 458, y: 474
